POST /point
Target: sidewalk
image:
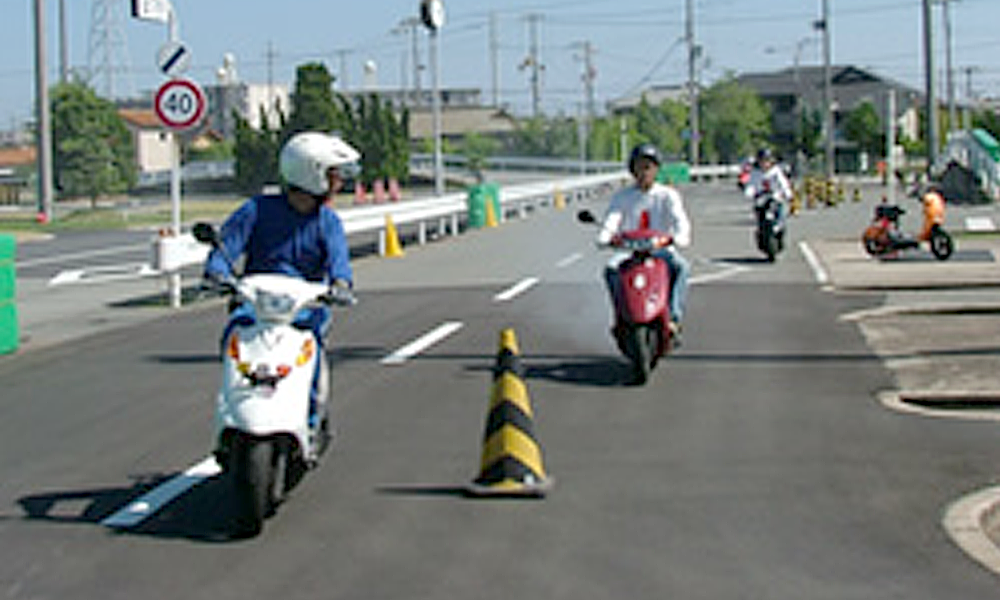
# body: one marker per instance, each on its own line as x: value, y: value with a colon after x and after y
x: 938, y: 332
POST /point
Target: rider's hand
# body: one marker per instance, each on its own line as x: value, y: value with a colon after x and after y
x: 340, y: 293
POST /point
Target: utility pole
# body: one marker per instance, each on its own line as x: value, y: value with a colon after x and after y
x: 587, y: 108
x: 495, y: 57
x: 44, y: 136
x: 413, y: 24
x: 890, y: 145
x: 930, y: 92
x: 270, y: 55
x: 533, y: 62
x: 342, y: 56
x: 63, y: 44
x: 824, y: 25
x: 693, y: 54
x: 968, y: 97
x: 948, y: 73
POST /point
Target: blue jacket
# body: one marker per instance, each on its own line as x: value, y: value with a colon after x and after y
x: 278, y: 239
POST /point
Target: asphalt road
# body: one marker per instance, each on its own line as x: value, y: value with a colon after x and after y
x: 757, y: 463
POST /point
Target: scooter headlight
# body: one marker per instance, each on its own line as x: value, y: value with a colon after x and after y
x: 270, y: 305
x: 639, y: 281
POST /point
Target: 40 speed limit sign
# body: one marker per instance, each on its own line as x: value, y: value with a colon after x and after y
x: 180, y: 104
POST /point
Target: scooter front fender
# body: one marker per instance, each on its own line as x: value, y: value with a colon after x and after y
x: 644, y: 290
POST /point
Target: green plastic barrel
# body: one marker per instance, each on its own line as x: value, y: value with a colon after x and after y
x: 8, y: 310
x: 674, y: 172
x: 478, y: 196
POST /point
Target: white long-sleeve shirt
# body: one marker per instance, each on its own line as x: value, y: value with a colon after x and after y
x: 773, y: 180
x: 663, y: 205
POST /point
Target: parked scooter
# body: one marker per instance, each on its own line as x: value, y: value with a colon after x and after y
x: 641, y: 301
x: 883, y: 238
x: 264, y: 439
x: 770, y: 232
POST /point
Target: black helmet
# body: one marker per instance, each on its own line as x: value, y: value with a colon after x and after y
x: 644, y: 151
x: 765, y: 154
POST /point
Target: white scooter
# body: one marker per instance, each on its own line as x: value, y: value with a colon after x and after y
x: 264, y: 441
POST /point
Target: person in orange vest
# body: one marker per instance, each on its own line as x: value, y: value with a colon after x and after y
x: 933, y: 201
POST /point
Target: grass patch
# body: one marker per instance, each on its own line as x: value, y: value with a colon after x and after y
x: 119, y: 217
x: 125, y: 216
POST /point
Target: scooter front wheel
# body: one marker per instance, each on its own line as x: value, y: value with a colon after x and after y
x: 941, y: 244
x: 641, y: 352
x: 256, y: 482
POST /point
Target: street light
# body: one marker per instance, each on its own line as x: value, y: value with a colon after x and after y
x: 432, y: 14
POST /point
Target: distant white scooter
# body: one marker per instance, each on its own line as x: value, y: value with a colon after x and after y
x: 264, y: 442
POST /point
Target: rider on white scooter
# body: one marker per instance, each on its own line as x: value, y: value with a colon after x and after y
x: 654, y: 205
x: 293, y: 233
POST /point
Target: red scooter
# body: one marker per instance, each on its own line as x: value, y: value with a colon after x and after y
x: 640, y: 294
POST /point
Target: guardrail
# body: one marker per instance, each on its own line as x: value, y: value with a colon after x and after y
x: 171, y: 253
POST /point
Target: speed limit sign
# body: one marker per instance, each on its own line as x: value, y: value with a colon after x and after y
x: 180, y: 104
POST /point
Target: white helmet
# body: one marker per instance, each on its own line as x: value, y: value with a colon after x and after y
x: 307, y: 156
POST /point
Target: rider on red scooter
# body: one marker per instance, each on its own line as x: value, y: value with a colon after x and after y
x: 656, y: 206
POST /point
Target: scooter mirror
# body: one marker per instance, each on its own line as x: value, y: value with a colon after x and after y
x: 205, y: 233
x: 585, y: 216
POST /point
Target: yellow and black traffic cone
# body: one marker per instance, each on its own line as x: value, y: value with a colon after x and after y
x: 511, y: 462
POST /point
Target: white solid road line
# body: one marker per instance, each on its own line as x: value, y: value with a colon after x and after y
x: 104, y: 274
x: 64, y: 258
x: 818, y: 271
x: 150, y: 502
x: 419, y: 345
x: 519, y: 288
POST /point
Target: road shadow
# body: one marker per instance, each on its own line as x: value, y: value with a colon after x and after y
x: 423, y: 490
x: 202, y: 514
x: 591, y: 371
x: 742, y: 260
x: 86, y: 506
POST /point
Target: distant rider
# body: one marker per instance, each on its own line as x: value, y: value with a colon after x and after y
x: 657, y: 206
x: 768, y: 179
x: 294, y: 233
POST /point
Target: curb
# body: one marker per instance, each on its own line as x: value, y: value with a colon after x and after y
x: 968, y: 522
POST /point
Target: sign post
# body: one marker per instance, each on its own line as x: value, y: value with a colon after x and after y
x: 180, y: 105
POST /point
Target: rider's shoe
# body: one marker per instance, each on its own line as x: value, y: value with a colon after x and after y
x: 675, y: 333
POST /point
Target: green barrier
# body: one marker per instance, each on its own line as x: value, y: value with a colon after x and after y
x: 675, y: 172
x: 8, y: 327
x: 8, y: 310
x: 478, y: 197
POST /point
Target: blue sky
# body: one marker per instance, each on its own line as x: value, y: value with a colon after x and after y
x: 636, y: 42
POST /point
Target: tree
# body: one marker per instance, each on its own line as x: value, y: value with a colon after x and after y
x: 555, y: 138
x: 863, y: 127
x: 314, y: 108
x: 256, y: 153
x: 92, y: 148
x: 476, y: 148
x: 735, y: 121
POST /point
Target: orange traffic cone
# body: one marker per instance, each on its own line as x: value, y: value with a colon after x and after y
x: 392, y: 249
